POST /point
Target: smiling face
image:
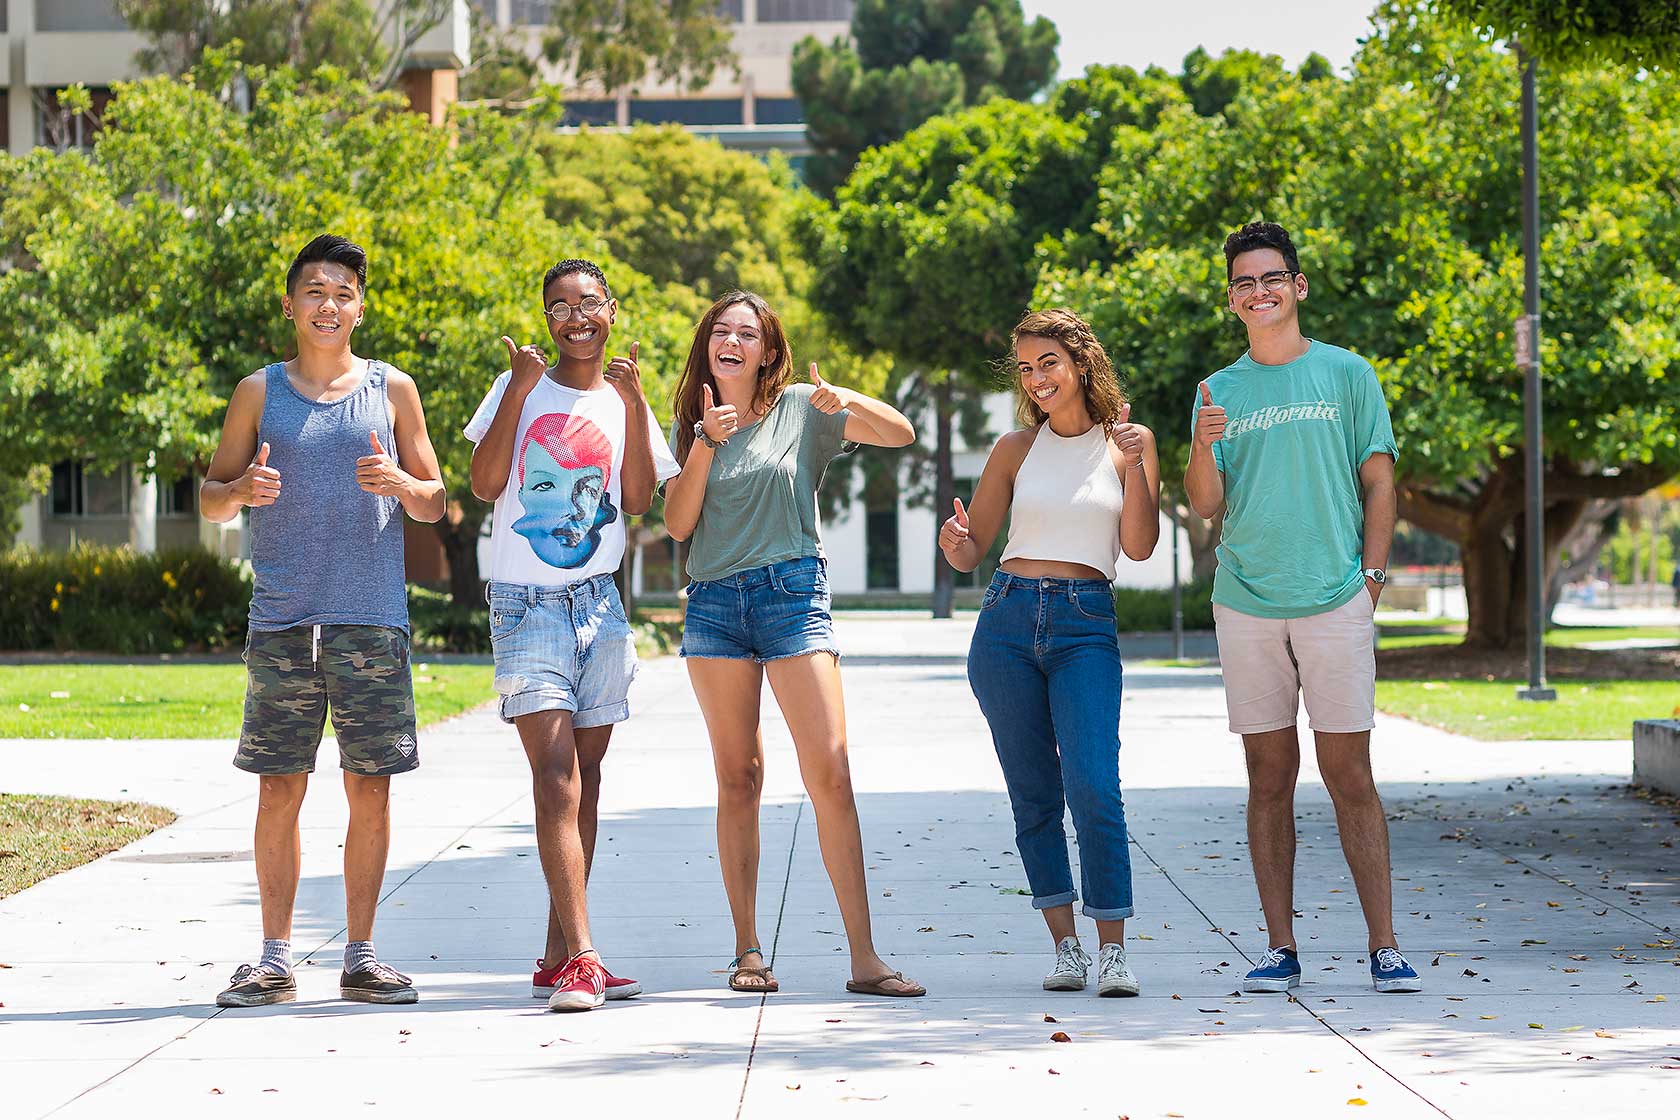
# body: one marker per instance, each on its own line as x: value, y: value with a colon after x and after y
x: 580, y: 335
x: 325, y: 304
x: 1265, y: 308
x: 1049, y: 377
x: 736, y: 349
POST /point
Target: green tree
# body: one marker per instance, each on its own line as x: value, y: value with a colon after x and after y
x: 1401, y: 188
x: 908, y: 61
x: 1634, y: 32
x: 928, y: 254
x: 366, y: 39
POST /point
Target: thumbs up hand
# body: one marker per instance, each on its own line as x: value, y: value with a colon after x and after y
x: 719, y: 420
x: 527, y: 363
x: 827, y: 399
x: 260, y: 484
x: 954, y: 533
x: 625, y: 375
x: 1128, y: 437
x: 1210, y: 420
x: 378, y: 473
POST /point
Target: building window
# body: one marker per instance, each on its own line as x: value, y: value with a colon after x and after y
x: 778, y: 110
x: 880, y: 547
x: 730, y: 10
x: 590, y: 112
x: 687, y: 111
x: 62, y: 130
x: 804, y: 11
x: 78, y: 15
x: 533, y: 13
x: 178, y: 498
x: 80, y: 491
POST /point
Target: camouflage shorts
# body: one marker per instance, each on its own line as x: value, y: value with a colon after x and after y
x: 295, y: 675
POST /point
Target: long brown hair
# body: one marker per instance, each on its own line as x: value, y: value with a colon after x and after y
x: 689, y: 399
x: 1103, y: 396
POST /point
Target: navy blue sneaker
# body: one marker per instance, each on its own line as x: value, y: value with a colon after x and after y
x: 1391, y: 973
x: 1278, y: 971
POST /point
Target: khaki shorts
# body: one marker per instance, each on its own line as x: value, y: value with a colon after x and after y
x: 1329, y: 658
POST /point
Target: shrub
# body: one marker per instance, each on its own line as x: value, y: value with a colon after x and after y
x: 113, y: 600
x: 1151, y: 609
x: 438, y: 625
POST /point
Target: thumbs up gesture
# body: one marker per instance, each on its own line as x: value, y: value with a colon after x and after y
x: 528, y: 364
x: 260, y: 484
x: 1128, y: 437
x: 954, y: 533
x: 827, y: 399
x: 719, y: 420
x: 625, y: 375
x: 378, y: 473
x: 1210, y: 420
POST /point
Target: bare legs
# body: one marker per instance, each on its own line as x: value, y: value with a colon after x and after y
x: 1344, y: 761
x: 557, y: 789
x: 807, y: 689
x: 367, y: 843
x: 1059, y: 919
x: 591, y: 750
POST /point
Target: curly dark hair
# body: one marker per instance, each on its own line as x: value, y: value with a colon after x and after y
x: 1261, y: 235
x: 575, y: 264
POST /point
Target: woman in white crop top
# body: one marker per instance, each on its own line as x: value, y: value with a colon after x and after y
x: 1081, y: 486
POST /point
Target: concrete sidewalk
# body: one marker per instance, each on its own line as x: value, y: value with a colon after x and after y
x: 1535, y: 893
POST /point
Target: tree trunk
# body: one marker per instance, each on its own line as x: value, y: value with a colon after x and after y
x: 1585, y: 543
x: 944, y: 490
x: 1491, y: 567
x: 458, y: 530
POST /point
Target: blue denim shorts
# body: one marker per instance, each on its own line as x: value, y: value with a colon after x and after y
x: 779, y: 610
x: 563, y: 649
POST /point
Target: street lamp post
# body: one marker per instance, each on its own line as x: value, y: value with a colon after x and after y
x: 1528, y: 358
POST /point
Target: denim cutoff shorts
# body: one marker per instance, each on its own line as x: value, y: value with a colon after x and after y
x: 766, y: 614
x: 563, y: 648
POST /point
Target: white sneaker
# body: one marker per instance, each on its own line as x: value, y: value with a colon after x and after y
x: 1114, y: 975
x: 1071, y: 966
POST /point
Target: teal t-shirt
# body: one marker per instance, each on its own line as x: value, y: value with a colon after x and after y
x: 1295, y: 437
x: 761, y: 493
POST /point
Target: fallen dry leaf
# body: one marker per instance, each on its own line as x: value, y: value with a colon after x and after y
x: 1356, y: 1100
x: 1060, y: 1036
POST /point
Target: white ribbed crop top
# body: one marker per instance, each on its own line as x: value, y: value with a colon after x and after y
x: 1067, y: 502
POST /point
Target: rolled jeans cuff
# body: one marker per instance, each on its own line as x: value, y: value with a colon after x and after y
x: 1051, y: 901
x: 1112, y: 914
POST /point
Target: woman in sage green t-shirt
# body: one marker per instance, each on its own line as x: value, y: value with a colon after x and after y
x: 753, y: 450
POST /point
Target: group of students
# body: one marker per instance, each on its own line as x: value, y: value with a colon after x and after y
x: 1301, y: 472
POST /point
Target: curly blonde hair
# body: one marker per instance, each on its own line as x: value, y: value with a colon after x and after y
x: 1103, y: 395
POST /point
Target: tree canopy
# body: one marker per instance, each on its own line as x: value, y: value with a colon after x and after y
x: 1639, y: 32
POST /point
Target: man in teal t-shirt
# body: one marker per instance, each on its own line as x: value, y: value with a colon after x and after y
x: 1292, y: 441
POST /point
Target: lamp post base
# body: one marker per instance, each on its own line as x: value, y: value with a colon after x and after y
x: 1536, y: 694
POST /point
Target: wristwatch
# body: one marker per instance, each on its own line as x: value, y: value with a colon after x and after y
x: 1375, y: 575
x: 700, y: 434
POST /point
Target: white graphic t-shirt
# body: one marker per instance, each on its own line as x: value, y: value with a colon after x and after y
x: 560, y: 518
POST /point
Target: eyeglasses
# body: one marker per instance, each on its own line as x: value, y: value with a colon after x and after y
x: 1244, y: 286
x: 561, y: 311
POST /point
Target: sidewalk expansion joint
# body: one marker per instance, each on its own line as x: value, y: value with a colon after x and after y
x: 775, y: 940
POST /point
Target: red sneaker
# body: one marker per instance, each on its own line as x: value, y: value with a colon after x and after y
x: 545, y: 980
x: 582, y: 985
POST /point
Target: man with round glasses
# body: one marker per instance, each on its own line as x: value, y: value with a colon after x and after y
x: 1292, y: 444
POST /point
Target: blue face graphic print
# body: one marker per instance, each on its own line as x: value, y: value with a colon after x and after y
x: 564, y: 469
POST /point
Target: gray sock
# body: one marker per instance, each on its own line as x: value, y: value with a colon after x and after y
x: 358, y: 955
x: 276, y: 956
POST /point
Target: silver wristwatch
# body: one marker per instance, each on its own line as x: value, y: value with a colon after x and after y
x: 1375, y: 575
x: 700, y: 434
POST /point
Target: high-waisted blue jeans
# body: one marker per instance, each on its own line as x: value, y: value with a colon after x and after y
x: 1045, y: 666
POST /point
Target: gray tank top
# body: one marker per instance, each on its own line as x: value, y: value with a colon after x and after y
x: 326, y: 553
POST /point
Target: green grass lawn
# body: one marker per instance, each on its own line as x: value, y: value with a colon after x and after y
x: 1490, y: 709
x: 41, y: 836
x: 160, y: 701
x: 1423, y: 632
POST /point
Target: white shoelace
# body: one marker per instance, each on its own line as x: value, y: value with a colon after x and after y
x: 1113, y: 963
x: 1389, y: 960
x: 1070, y: 960
x: 1271, y: 959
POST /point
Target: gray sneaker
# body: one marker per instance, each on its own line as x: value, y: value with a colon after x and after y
x: 378, y: 983
x: 1071, y: 967
x: 257, y: 987
x: 1114, y: 975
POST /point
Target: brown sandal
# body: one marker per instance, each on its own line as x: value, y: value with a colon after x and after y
x: 762, y: 973
x: 876, y: 987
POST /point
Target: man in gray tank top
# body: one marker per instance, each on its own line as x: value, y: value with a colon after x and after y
x: 328, y: 451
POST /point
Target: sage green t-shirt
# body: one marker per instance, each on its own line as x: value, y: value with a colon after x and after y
x: 1295, y: 437
x: 761, y: 493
